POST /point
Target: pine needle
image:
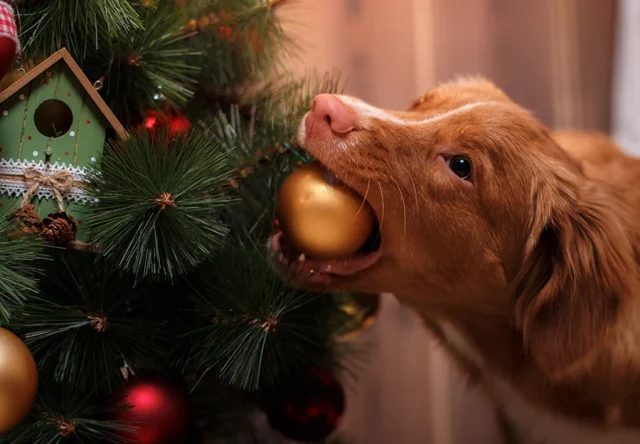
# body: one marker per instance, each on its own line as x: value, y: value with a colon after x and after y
x: 88, y: 321
x: 182, y: 260
x: 258, y: 328
x: 160, y: 203
x: 278, y: 108
x: 246, y: 44
x: 151, y: 66
x: 61, y: 416
x: 18, y: 267
x: 81, y: 26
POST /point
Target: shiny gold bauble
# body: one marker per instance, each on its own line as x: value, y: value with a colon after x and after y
x: 192, y: 25
x: 203, y: 23
x: 361, y: 311
x: 320, y: 219
x: 18, y: 380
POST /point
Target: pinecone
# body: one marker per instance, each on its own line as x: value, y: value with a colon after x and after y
x: 27, y: 218
x: 59, y: 228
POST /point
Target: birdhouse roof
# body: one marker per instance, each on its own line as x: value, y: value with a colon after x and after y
x: 54, y: 58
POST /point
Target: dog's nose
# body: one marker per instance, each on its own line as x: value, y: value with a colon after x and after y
x: 329, y: 116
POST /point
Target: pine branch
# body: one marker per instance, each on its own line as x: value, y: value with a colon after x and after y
x: 259, y: 328
x: 82, y: 26
x: 165, y: 210
x: 244, y: 42
x: 286, y: 99
x: 272, y: 114
x: 62, y: 416
x: 149, y: 66
x: 18, y: 267
x: 263, y: 148
x: 160, y: 203
x: 251, y: 216
x: 89, y: 321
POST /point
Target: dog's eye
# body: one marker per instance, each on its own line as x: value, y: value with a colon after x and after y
x: 461, y: 167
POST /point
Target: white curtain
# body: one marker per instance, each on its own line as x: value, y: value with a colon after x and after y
x: 626, y: 88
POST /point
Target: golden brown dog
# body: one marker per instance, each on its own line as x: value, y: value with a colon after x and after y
x: 519, y: 247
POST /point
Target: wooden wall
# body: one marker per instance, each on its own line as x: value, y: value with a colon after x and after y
x: 552, y: 56
x: 626, y: 93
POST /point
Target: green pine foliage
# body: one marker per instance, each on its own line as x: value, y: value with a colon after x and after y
x: 58, y: 410
x: 179, y: 277
x: 159, y: 199
x: 248, y: 43
x: 257, y: 327
x: 82, y: 26
x: 268, y: 133
x: 155, y: 60
x: 88, y: 321
x: 19, y: 269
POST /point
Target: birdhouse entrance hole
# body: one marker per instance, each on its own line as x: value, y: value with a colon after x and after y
x: 53, y: 118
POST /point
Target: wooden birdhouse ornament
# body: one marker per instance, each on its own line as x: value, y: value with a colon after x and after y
x: 53, y: 124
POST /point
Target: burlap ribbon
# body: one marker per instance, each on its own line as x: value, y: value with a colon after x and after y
x: 60, y: 182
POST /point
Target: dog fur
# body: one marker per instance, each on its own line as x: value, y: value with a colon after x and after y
x: 529, y: 272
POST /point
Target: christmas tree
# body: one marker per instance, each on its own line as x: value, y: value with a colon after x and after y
x: 142, y: 147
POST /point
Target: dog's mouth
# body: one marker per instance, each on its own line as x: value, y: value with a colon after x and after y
x: 325, y: 271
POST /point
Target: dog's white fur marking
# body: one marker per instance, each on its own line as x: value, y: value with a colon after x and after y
x: 532, y: 424
x: 302, y: 130
x: 365, y: 110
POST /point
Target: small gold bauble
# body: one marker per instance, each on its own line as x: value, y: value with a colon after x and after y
x: 320, y: 219
x: 361, y: 310
x: 203, y: 23
x: 18, y: 380
x: 192, y: 25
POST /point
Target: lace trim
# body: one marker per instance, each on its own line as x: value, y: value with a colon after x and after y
x: 17, y: 167
x: 18, y: 187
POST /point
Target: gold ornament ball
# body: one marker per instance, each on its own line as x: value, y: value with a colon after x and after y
x: 320, y: 219
x: 203, y: 23
x: 192, y: 25
x: 18, y: 380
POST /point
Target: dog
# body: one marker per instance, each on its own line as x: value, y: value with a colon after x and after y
x: 517, y: 245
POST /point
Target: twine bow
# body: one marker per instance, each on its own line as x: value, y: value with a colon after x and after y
x: 61, y: 181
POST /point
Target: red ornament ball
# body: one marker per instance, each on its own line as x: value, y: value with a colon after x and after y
x: 8, y: 39
x: 178, y: 124
x: 153, y: 120
x: 307, y: 408
x: 7, y: 54
x: 173, y: 122
x: 159, y: 410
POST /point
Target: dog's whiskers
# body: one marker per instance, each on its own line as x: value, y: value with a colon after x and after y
x: 404, y: 207
x: 364, y: 199
x: 413, y: 183
x: 382, y: 202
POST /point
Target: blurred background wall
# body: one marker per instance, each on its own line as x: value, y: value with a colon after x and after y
x: 626, y: 90
x: 554, y: 57
x: 558, y: 58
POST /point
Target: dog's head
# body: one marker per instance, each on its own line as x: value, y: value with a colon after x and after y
x: 475, y: 201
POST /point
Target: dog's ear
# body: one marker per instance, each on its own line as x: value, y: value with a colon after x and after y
x: 576, y: 272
